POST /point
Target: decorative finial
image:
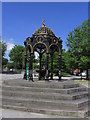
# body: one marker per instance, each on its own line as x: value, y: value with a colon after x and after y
x: 43, y: 23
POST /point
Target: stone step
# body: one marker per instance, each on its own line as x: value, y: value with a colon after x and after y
x: 43, y: 95
x: 56, y: 104
x: 49, y: 90
x: 72, y: 113
x: 64, y: 98
x: 40, y: 84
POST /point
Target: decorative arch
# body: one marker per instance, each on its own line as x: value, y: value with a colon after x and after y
x: 42, y: 44
x: 53, y: 45
x: 40, y: 56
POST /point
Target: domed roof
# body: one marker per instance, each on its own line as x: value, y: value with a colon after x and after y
x: 44, y: 30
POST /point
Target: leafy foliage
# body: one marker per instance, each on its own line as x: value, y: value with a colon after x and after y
x: 4, y: 47
x: 4, y: 61
x: 78, y: 46
x: 17, y: 56
x: 10, y: 65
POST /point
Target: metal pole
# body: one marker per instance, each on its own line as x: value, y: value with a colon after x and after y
x: 47, y: 71
x: 51, y: 64
x: 25, y: 76
x: 31, y: 67
x: 59, y: 68
x: 40, y: 55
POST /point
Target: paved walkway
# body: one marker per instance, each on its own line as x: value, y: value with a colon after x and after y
x: 17, y: 76
x: 11, y: 76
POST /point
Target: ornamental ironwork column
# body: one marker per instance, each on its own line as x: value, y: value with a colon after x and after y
x: 31, y: 67
x: 59, y: 67
x: 47, y: 67
x: 52, y: 64
x: 60, y: 49
x: 40, y: 55
x: 25, y: 75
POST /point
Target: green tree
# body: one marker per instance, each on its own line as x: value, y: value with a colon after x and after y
x: 10, y: 65
x: 3, y: 48
x: 17, y: 56
x: 78, y: 47
x: 4, y: 61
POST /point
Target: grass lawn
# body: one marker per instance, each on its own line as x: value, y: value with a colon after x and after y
x: 83, y: 82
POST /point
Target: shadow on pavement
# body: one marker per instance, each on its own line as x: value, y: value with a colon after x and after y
x: 11, y: 72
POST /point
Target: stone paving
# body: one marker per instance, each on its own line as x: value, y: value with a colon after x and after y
x: 11, y: 76
x: 16, y: 76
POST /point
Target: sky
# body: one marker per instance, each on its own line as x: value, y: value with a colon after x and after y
x: 21, y: 19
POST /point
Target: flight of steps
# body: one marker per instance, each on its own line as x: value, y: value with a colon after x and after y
x: 64, y: 98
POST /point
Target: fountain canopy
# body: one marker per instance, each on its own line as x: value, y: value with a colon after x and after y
x: 43, y: 41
